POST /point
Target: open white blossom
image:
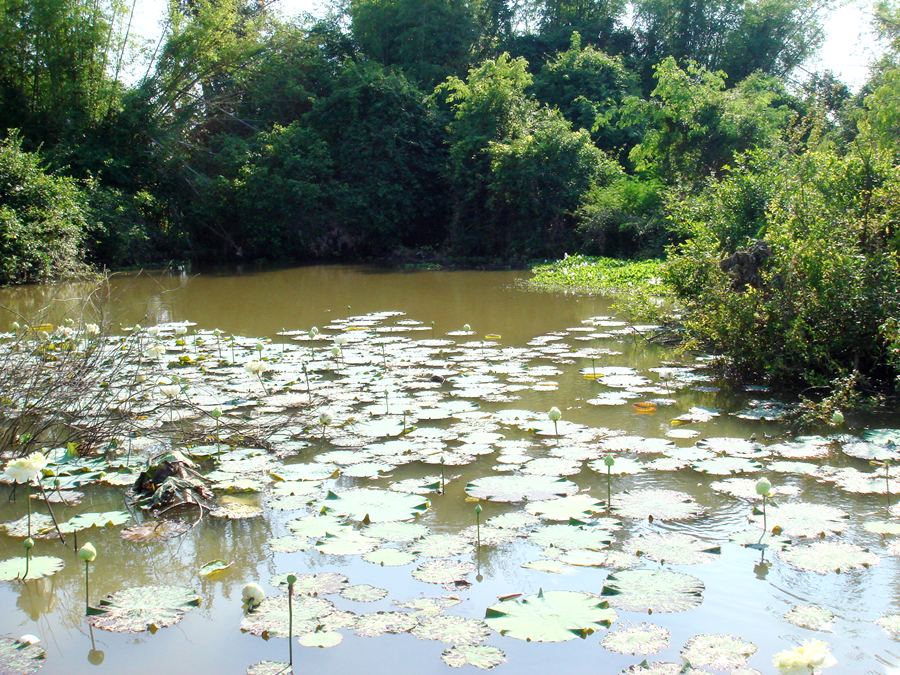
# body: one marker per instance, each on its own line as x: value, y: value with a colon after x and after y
x: 811, y: 656
x: 26, y: 469
x: 256, y: 367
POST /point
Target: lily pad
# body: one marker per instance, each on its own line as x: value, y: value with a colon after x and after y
x: 443, y: 571
x: 673, y: 548
x: 652, y: 591
x: 828, y: 556
x: 269, y: 668
x: 364, y: 593
x: 891, y: 625
x: 520, y: 488
x: 660, y: 504
x: 389, y: 557
x: 373, y: 625
x: 20, y: 658
x: 479, y: 656
x: 270, y: 618
x: 812, y: 617
x: 214, y: 567
x: 135, y: 610
x: 369, y: 505
x: 720, y: 652
x: 38, y: 567
x: 554, y: 616
x: 643, y: 639
x: 454, y: 630
x: 321, y: 639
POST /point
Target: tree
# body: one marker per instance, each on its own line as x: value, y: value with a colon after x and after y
x: 737, y: 37
x: 427, y: 39
x: 695, y: 125
x: 43, y: 218
x: 588, y: 86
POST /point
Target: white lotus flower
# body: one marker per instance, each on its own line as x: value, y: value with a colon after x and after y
x: 253, y: 595
x: 810, y: 657
x: 28, y: 639
x: 92, y: 329
x: 170, y: 390
x: 180, y: 330
x: 66, y: 333
x: 26, y: 469
x: 341, y: 340
x: 155, y: 350
x: 325, y: 418
x: 256, y: 367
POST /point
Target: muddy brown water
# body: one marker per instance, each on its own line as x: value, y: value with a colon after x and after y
x: 743, y: 597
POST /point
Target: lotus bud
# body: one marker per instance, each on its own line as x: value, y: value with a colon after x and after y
x: 837, y: 418
x: 253, y: 595
x: 92, y: 329
x: 291, y: 579
x: 325, y: 418
x: 478, y: 509
x: 216, y: 413
x: 763, y: 487
x: 467, y: 328
x: 313, y: 333
x: 87, y: 553
x: 554, y: 414
x: 170, y: 391
x: 28, y: 544
x: 180, y: 330
x: 335, y: 351
x: 609, y: 460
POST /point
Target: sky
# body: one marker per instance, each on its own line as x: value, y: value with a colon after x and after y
x: 849, y: 47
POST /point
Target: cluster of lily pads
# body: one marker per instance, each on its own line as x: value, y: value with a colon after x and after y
x: 370, y: 398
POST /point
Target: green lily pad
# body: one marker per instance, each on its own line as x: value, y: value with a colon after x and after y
x: 20, y: 658
x: 270, y: 618
x: 321, y: 639
x: 720, y: 652
x: 396, y: 531
x: 38, y: 567
x: 579, y: 507
x: 363, y: 593
x: 454, y: 630
x: 673, y: 548
x: 660, y: 504
x: 590, y: 537
x: 479, y: 656
x: 389, y: 557
x: 135, y: 610
x: 812, y: 617
x: 643, y: 639
x: 380, y: 623
x: 652, y: 591
x: 520, y: 488
x: 803, y: 519
x: 214, y: 567
x: 823, y: 557
x: 443, y: 571
x: 269, y: 668
x: 554, y: 616
x: 349, y: 542
x: 40, y: 524
x: 370, y: 505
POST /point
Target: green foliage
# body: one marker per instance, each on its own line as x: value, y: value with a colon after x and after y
x: 737, y: 37
x: 831, y: 286
x: 427, y: 39
x: 42, y: 218
x: 588, y: 86
x: 623, y: 217
x: 695, y: 125
x: 586, y: 273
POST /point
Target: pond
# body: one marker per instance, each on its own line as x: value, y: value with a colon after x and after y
x: 404, y: 576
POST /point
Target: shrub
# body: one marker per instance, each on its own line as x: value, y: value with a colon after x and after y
x: 42, y: 218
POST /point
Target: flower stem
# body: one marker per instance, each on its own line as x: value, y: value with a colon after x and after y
x: 87, y: 592
x: 52, y: 515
